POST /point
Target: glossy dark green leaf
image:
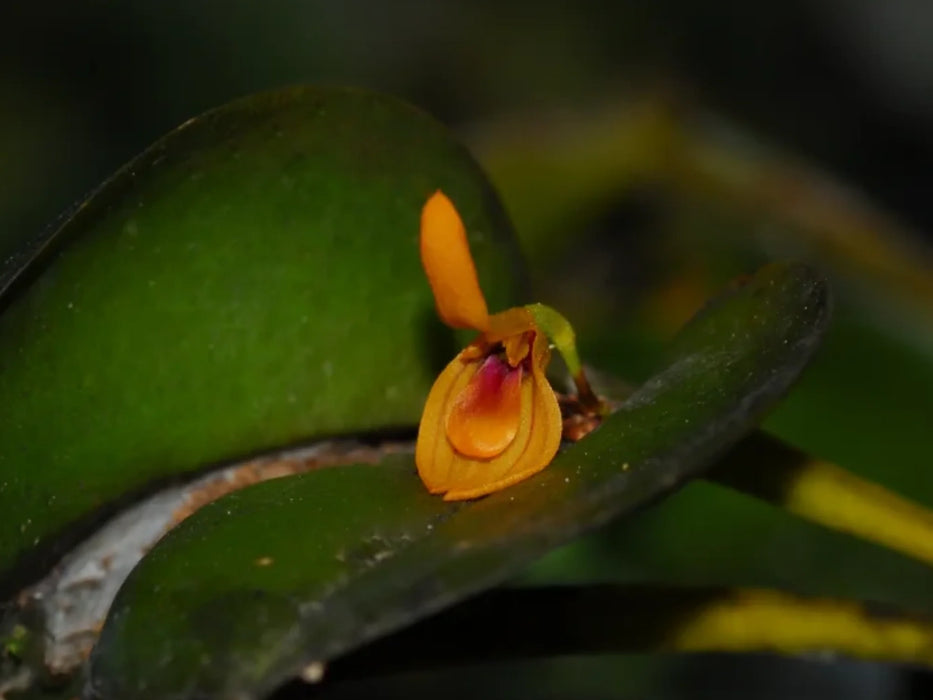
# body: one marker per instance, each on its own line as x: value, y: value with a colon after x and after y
x: 252, y: 588
x: 249, y: 281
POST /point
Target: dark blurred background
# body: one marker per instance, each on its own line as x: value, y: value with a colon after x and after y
x: 84, y: 85
x: 846, y: 85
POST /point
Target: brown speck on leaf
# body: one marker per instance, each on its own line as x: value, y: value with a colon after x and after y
x: 264, y: 561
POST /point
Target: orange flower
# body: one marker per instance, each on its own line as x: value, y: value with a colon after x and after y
x: 491, y: 418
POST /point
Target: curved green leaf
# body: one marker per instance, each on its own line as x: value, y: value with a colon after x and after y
x: 251, y: 589
x: 249, y: 281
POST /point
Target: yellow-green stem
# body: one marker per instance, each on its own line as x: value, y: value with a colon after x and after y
x: 561, y: 334
x: 612, y: 618
x: 827, y: 494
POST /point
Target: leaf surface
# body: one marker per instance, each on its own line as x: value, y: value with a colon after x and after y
x: 254, y: 587
x: 250, y: 281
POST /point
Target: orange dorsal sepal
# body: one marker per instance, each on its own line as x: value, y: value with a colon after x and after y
x: 448, y: 264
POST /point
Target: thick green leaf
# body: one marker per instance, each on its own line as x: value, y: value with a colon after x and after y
x: 249, y: 281
x: 252, y: 588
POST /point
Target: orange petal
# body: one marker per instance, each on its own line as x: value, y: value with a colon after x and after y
x: 434, y: 455
x: 484, y: 416
x: 444, y: 470
x: 516, y: 348
x: 508, y: 323
x: 445, y: 255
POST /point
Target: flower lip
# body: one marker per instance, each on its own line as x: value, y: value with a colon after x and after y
x: 483, y: 418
